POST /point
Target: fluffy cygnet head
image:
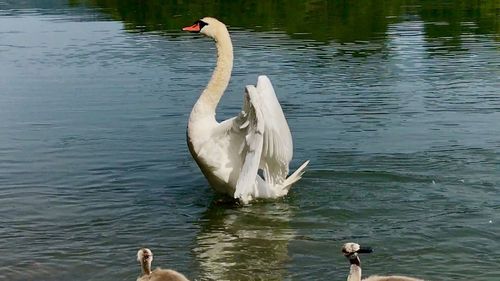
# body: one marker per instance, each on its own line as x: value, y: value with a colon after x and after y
x: 351, y: 251
x: 144, y: 254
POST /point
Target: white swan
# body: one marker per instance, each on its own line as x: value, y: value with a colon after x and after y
x: 351, y: 251
x: 231, y: 153
x: 145, y: 258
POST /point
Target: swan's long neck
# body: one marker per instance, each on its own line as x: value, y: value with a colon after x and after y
x: 207, y: 102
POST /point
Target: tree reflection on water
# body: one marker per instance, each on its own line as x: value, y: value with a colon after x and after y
x: 323, y: 21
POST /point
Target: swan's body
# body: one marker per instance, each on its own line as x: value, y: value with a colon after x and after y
x: 351, y: 250
x: 231, y: 153
x: 145, y: 258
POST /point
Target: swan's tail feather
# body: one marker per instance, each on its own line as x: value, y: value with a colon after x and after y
x: 293, y: 178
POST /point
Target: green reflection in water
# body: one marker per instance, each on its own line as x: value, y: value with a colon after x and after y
x: 319, y: 20
x: 453, y: 18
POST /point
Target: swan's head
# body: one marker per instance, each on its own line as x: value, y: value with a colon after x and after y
x: 351, y: 251
x: 145, y: 256
x: 207, y: 26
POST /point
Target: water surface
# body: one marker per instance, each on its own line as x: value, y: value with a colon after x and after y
x: 396, y: 105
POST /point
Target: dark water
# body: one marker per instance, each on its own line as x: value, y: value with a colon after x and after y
x: 396, y: 105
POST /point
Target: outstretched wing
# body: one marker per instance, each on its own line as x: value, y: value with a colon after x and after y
x: 277, y: 151
x: 251, y: 122
x: 268, y: 141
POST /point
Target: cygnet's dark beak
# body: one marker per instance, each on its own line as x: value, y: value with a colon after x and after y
x: 364, y: 250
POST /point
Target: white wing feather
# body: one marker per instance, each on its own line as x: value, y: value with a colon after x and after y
x: 277, y: 149
x: 251, y: 120
x: 268, y: 141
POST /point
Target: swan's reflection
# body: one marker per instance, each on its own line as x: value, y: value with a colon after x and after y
x: 248, y: 243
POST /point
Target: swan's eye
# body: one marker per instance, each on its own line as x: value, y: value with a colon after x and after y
x: 201, y: 24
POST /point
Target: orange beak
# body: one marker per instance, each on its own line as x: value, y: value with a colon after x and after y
x: 193, y: 28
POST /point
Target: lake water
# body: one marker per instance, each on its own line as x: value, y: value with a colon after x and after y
x: 397, y: 106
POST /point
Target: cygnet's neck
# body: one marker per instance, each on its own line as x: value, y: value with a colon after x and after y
x: 354, y: 273
x: 146, y: 267
x: 207, y: 102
